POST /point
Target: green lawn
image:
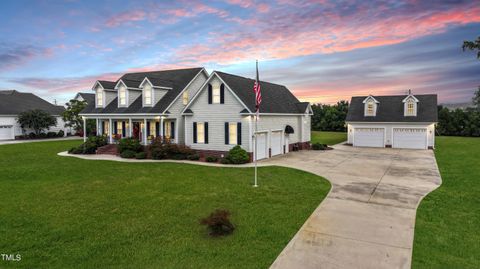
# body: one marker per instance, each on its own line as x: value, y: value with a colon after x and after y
x: 329, y: 138
x: 447, y: 230
x: 60, y: 212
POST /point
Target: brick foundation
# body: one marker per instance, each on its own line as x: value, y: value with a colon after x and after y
x: 300, y: 146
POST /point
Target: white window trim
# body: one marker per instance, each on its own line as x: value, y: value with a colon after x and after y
x: 126, y: 98
x: 185, y: 97
x: 144, y: 103
x: 102, y: 92
x: 406, y: 112
x: 216, y: 93
x: 374, y: 108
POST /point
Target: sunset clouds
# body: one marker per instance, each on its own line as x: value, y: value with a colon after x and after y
x: 323, y: 50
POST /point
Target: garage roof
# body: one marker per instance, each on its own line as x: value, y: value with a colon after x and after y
x: 391, y: 109
x: 13, y: 103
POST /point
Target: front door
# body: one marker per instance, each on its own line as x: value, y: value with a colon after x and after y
x: 136, y: 130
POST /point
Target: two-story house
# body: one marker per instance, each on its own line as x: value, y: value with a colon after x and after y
x: 211, y: 114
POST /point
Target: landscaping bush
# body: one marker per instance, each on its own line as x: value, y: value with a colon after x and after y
x: 193, y: 157
x: 225, y: 161
x: 32, y: 135
x: 99, y: 141
x: 90, y: 146
x: 51, y: 134
x: 141, y: 155
x: 318, y: 146
x: 211, y: 159
x: 218, y: 223
x: 128, y: 154
x: 61, y: 133
x: 163, y: 149
x: 131, y: 144
x: 237, y: 155
x: 42, y: 135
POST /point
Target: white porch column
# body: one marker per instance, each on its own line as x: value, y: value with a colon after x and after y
x: 97, y: 125
x: 130, y: 127
x: 161, y: 127
x: 84, y: 129
x: 145, y: 131
x: 110, y: 131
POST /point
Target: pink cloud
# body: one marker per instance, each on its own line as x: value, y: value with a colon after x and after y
x: 126, y: 17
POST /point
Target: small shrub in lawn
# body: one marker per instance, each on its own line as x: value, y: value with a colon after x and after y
x: 193, y: 157
x: 237, y: 155
x: 158, y: 154
x: 318, y: 146
x: 211, y: 159
x: 218, y: 223
x: 141, y: 155
x: 61, y: 133
x: 129, y: 143
x: 128, y: 154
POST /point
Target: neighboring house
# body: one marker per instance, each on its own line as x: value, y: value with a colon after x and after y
x: 221, y: 115
x: 211, y: 114
x: 88, y: 97
x: 144, y: 105
x: 13, y: 103
x: 400, y: 121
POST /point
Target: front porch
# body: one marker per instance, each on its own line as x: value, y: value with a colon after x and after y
x: 143, y: 129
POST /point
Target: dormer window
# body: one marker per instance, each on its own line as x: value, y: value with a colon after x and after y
x: 370, y: 106
x: 410, y: 105
x: 122, y: 96
x: 411, y: 108
x: 99, y: 98
x: 185, y: 98
x: 216, y: 94
x: 147, y: 92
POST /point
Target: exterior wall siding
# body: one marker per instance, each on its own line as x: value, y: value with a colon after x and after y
x: 389, y: 130
x: 109, y: 96
x: 132, y: 96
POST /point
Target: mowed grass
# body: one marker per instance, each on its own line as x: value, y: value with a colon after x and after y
x: 62, y: 212
x: 329, y: 138
x: 447, y: 229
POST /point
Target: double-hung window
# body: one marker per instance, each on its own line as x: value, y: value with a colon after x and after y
x: 216, y: 94
x: 200, y: 132
x: 232, y: 133
x: 99, y: 98
x: 185, y: 98
x: 148, y: 96
x: 122, y: 95
x: 410, y: 108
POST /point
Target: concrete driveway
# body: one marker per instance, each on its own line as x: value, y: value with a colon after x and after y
x: 368, y: 218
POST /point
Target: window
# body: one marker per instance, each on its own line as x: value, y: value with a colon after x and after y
x: 119, y: 128
x: 148, y: 96
x: 370, y: 108
x: 122, y: 95
x: 200, y: 132
x: 152, y: 128
x: 99, y: 98
x: 185, y: 98
x: 411, y: 108
x: 232, y: 133
x: 216, y: 94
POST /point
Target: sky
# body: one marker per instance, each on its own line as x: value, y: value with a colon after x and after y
x: 323, y: 51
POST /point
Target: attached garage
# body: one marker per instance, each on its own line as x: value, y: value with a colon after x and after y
x: 6, y: 132
x: 369, y: 137
x: 276, y: 143
x: 410, y: 138
x: 261, y: 146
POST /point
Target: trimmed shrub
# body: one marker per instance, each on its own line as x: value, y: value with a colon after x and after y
x: 225, y: 161
x: 61, y: 133
x: 211, y: 159
x: 163, y: 149
x: 32, y: 135
x: 51, y: 134
x: 99, y: 141
x: 237, y: 155
x: 218, y: 223
x: 193, y: 157
x: 129, y: 143
x: 141, y: 155
x: 42, y: 135
x: 319, y: 146
x: 128, y: 154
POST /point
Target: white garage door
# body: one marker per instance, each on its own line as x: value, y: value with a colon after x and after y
x: 261, y: 146
x: 369, y: 137
x: 6, y: 132
x: 276, y: 143
x: 410, y: 138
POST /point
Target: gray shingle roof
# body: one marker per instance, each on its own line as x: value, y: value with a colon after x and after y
x: 275, y: 98
x: 391, y: 109
x: 177, y: 79
x: 14, y: 102
x: 89, y: 97
x: 109, y: 85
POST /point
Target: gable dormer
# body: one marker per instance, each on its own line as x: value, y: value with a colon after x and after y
x: 370, y: 106
x: 153, y: 90
x: 127, y: 92
x: 410, y: 105
x: 122, y: 94
x: 104, y: 93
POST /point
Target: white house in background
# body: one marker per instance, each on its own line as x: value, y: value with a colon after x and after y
x: 211, y: 114
x: 13, y: 103
x: 399, y: 121
x: 221, y: 116
x: 87, y: 97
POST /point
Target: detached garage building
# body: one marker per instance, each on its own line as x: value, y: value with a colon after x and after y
x: 13, y: 103
x: 398, y: 121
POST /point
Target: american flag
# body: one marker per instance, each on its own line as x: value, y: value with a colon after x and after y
x: 258, y: 93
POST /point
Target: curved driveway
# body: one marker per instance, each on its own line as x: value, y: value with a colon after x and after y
x: 368, y: 218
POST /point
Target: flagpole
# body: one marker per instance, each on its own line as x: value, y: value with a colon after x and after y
x: 255, y: 151
x: 257, y: 84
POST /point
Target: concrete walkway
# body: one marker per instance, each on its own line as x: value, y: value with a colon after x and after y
x: 8, y: 142
x: 368, y: 218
